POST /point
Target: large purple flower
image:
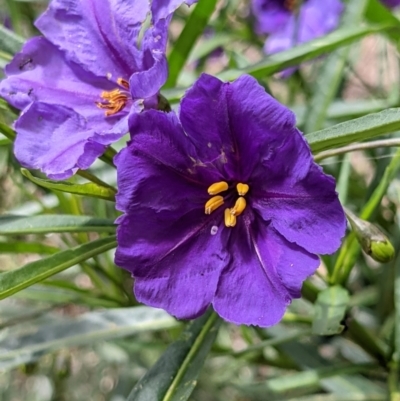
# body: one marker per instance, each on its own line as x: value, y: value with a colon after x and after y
x: 223, y: 206
x: 78, y: 84
x: 391, y: 3
x: 287, y: 26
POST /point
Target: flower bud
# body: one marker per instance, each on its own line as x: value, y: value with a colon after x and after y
x: 372, y: 240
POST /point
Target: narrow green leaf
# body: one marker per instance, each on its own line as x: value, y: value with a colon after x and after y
x: 173, y: 377
x: 34, y: 272
x: 51, y: 332
x: 209, y: 45
x: 296, y: 55
x: 303, y: 382
x: 338, y: 397
x: 53, y: 223
x: 89, y: 189
x: 359, y: 129
x: 330, y: 309
x: 350, y: 248
x: 376, y: 12
x: 27, y: 247
x: 7, y: 131
x: 194, y: 27
x: 9, y: 41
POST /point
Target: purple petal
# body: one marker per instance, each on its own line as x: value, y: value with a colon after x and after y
x: 40, y: 73
x: 176, y: 262
x: 391, y: 3
x: 164, y: 8
x: 158, y: 153
x: 316, y: 18
x: 229, y: 128
x: 307, y: 213
x: 148, y: 82
x: 258, y: 122
x: 265, y: 273
x: 204, y: 117
x: 271, y: 15
x: 101, y: 36
x: 56, y: 140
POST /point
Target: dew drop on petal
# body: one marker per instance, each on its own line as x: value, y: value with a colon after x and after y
x: 214, y: 230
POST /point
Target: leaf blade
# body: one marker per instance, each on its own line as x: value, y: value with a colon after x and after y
x: 14, y: 281
x: 186, y: 356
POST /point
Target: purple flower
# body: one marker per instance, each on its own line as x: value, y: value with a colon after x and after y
x: 78, y: 84
x: 223, y: 206
x: 287, y: 27
x: 391, y: 3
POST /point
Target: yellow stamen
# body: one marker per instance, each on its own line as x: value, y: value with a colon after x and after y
x: 239, y: 207
x: 230, y: 219
x: 115, y: 100
x: 214, y: 203
x: 217, y: 187
x: 123, y: 82
x: 242, y: 189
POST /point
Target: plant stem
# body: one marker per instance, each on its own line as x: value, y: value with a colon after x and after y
x: 383, y: 143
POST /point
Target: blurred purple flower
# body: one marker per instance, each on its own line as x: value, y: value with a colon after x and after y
x: 78, y: 84
x: 225, y: 206
x: 391, y: 3
x: 287, y: 27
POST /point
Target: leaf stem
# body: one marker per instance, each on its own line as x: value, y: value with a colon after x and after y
x: 383, y: 143
x: 189, y: 357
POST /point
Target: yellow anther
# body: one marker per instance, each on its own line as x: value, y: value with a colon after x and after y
x: 214, y: 203
x: 242, y: 189
x: 230, y: 219
x: 217, y: 187
x: 123, y: 82
x: 115, y: 100
x: 239, y: 207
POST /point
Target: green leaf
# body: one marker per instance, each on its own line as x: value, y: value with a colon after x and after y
x: 338, y: 397
x: 53, y: 223
x: 7, y: 131
x: 34, y: 272
x: 330, y: 309
x: 296, y: 55
x: 26, y: 247
x: 173, y: 377
x: 209, y: 45
x: 9, y: 41
x: 356, y: 130
x: 52, y: 332
x: 194, y: 27
x: 280, y: 387
x: 89, y: 189
x: 376, y: 12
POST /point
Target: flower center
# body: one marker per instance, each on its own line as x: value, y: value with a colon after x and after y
x: 216, y: 201
x: 115, y: 100
x: 291, y: 5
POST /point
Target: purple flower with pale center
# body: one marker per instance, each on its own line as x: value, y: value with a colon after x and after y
x: 223, y: 206
x: 288, y: 23
x: 391, y: 3
x: 78, y: 84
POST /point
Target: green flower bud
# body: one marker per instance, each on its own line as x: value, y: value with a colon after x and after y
x: 372, y: 240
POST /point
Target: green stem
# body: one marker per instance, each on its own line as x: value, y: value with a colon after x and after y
x: 211, y: 321
x: 351, y: 249
x: 108, y: 156
x: 383, y: 143
x: 359, y: 334
x: 91, y: 177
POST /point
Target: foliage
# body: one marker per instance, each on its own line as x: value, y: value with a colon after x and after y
x: 70, y: 326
